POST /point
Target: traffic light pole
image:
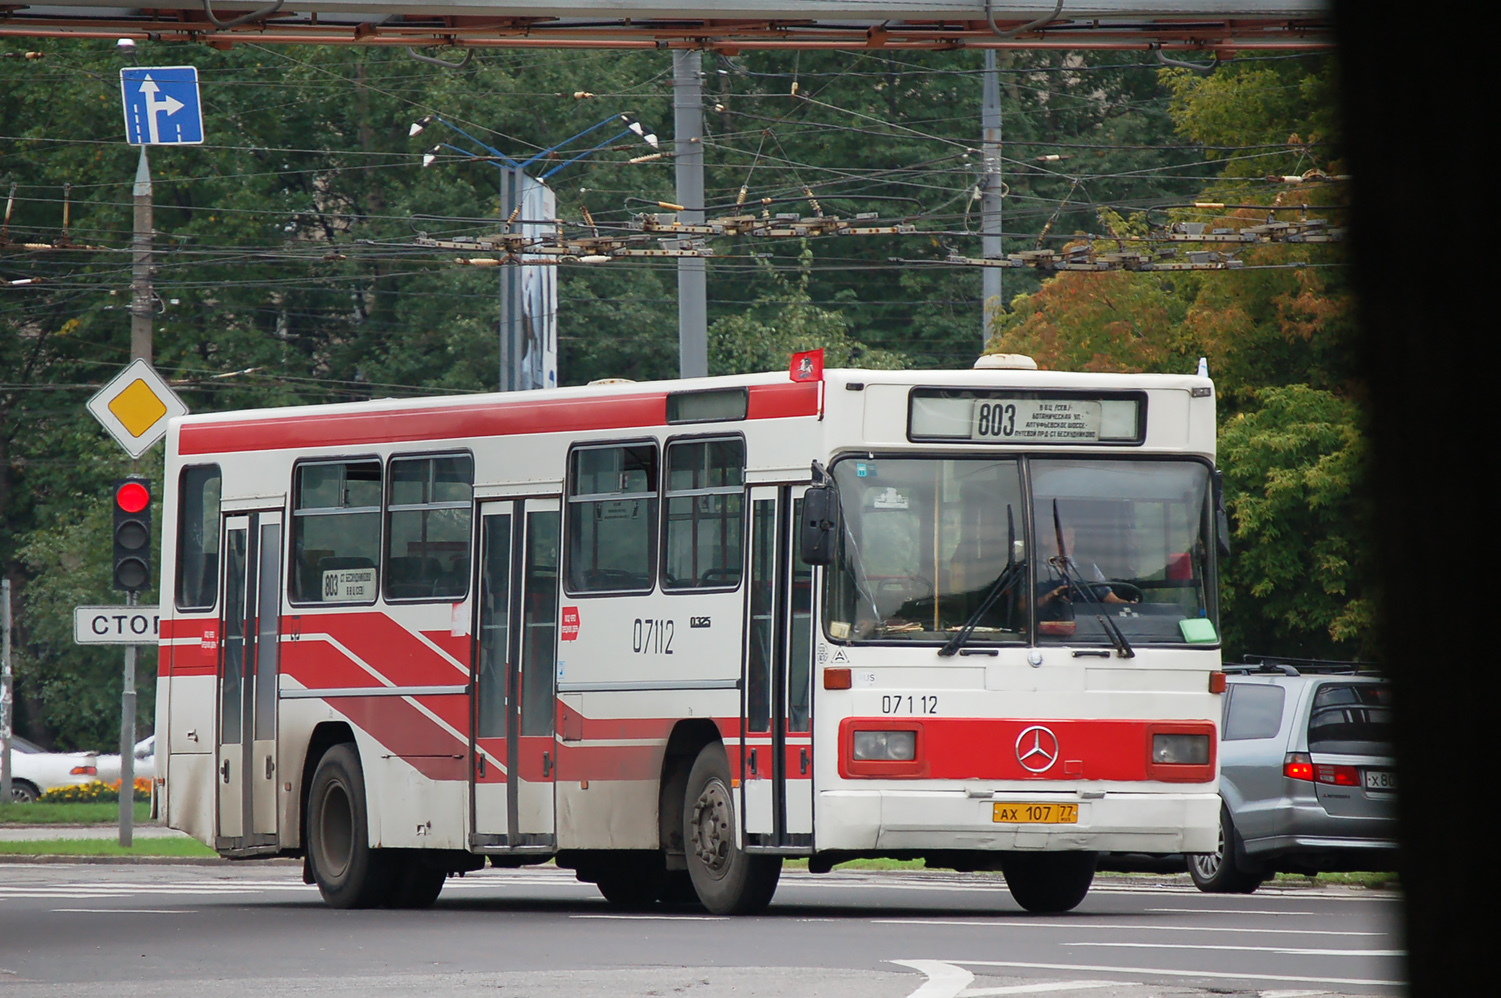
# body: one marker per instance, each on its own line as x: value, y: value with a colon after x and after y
x: 132, y: 544
x: 142, y: 297
x: 128, y: 741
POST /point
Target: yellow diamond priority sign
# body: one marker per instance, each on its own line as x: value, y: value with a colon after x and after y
x: 135, y: 406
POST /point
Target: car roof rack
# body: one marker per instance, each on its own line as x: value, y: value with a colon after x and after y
x: 1290, y: 666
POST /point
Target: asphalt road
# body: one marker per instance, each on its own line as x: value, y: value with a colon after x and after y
x: 254, y: 929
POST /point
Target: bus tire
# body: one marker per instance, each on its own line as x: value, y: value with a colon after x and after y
x: 726, y: 880
x: 415, y: 881
x: 348, y: 872
x: 1047, y: 883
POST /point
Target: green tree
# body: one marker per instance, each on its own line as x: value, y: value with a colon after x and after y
x: 784, y: 321
x: 1298, y: 580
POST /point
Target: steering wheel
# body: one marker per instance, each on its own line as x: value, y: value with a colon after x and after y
x: 1125, y: 590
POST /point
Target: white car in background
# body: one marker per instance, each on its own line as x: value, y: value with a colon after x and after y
x: 145, y: 764
x: 34, y: 771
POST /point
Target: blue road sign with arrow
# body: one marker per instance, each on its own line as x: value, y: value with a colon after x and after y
x: 161, y: 105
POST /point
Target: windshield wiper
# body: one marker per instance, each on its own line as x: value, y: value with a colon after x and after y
x: 1071, y: 573
x: 1003, y: 582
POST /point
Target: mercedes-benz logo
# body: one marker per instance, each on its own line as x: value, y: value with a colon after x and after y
x: 1037, y: 749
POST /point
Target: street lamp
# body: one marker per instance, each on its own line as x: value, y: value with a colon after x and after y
x: 528, y: 294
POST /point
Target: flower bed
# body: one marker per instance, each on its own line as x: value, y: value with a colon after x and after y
x: 95, y: 793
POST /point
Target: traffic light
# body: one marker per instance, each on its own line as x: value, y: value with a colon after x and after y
x: 133, y: 534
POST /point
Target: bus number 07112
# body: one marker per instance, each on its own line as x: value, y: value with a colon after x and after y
x: 909, y: 704
x: 652, y: 637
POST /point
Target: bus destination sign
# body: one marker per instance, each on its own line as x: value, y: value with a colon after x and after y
x: 1024, y: 419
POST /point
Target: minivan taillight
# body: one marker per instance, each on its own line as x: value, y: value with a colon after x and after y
x: 1339, y: 776
x: 1297, y: 766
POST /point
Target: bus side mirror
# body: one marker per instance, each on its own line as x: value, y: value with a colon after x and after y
x: 816, y: 528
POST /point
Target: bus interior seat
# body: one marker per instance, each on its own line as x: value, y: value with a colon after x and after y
x: 409, y: 578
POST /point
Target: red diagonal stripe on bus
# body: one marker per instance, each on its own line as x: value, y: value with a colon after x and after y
x: 406, y: 732
x: 381, y: 643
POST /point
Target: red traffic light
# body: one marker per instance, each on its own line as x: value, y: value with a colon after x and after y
x: 132, y: 497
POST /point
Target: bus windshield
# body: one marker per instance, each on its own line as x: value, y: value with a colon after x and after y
x: 924, y: 542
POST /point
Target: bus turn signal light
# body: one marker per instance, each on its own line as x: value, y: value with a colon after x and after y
x: 1216, y: 682
x: 837, y: 679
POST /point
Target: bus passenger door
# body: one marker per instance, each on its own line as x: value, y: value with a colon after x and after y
x: 513, y: 758
x: 797, y: 705
x: 776, y: 769
x: 534, y: 747
x: 249, y: 621
x: 491, y: 697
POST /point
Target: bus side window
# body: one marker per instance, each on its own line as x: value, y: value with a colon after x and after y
x: 336, y: 531
x: 427, y: 527
x: 198, y: 538
x: 612, y: 518
x: 705, y: 525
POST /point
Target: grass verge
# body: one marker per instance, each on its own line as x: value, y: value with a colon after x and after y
x: 1374, y: 881
x: 863, y: 864
x: 181, y: 848
x: 39, y: 813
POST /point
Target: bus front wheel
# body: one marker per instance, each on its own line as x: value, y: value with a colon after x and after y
x: 1047, y: 883
x: 348, y: 872
x: 727, y: 880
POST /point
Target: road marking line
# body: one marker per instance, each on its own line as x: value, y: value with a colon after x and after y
x: 1287, y: 950
x: 1174, y: 972
x: 1237, y: 911
x: 660, y: 918
x: 128, y: 911
x: 1037, y: 989
x: 1022, y: 921
x: 944, y: 979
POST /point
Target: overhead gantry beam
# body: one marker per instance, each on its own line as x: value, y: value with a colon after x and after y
x: 1222, y: 27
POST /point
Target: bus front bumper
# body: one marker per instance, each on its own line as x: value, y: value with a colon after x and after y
x: 878, y: 820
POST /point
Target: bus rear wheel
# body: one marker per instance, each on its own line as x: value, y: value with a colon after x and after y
x: 1046, y: 883
x: 727, y: 880
x: 349, y: 873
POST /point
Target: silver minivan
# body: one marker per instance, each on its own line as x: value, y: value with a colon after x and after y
x: 1307, y: 779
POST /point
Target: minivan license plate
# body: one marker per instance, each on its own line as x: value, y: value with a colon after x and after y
x: 1036, y: 814
x: 1380, y: 779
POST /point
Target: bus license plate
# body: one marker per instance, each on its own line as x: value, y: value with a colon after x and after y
x: 1036, y: 814
x: 1380, y: 779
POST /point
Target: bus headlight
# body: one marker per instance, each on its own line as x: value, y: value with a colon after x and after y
x: 1180, y: 750
x: 885, y: 746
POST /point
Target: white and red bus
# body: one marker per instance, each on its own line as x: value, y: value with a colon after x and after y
x: 668, y: 634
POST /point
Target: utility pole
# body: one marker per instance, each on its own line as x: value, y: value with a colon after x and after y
x: 688, y: 134
x: 990, y: 204
x: 7, y: 699
x: 142, y: 299
x: 511, y: 303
